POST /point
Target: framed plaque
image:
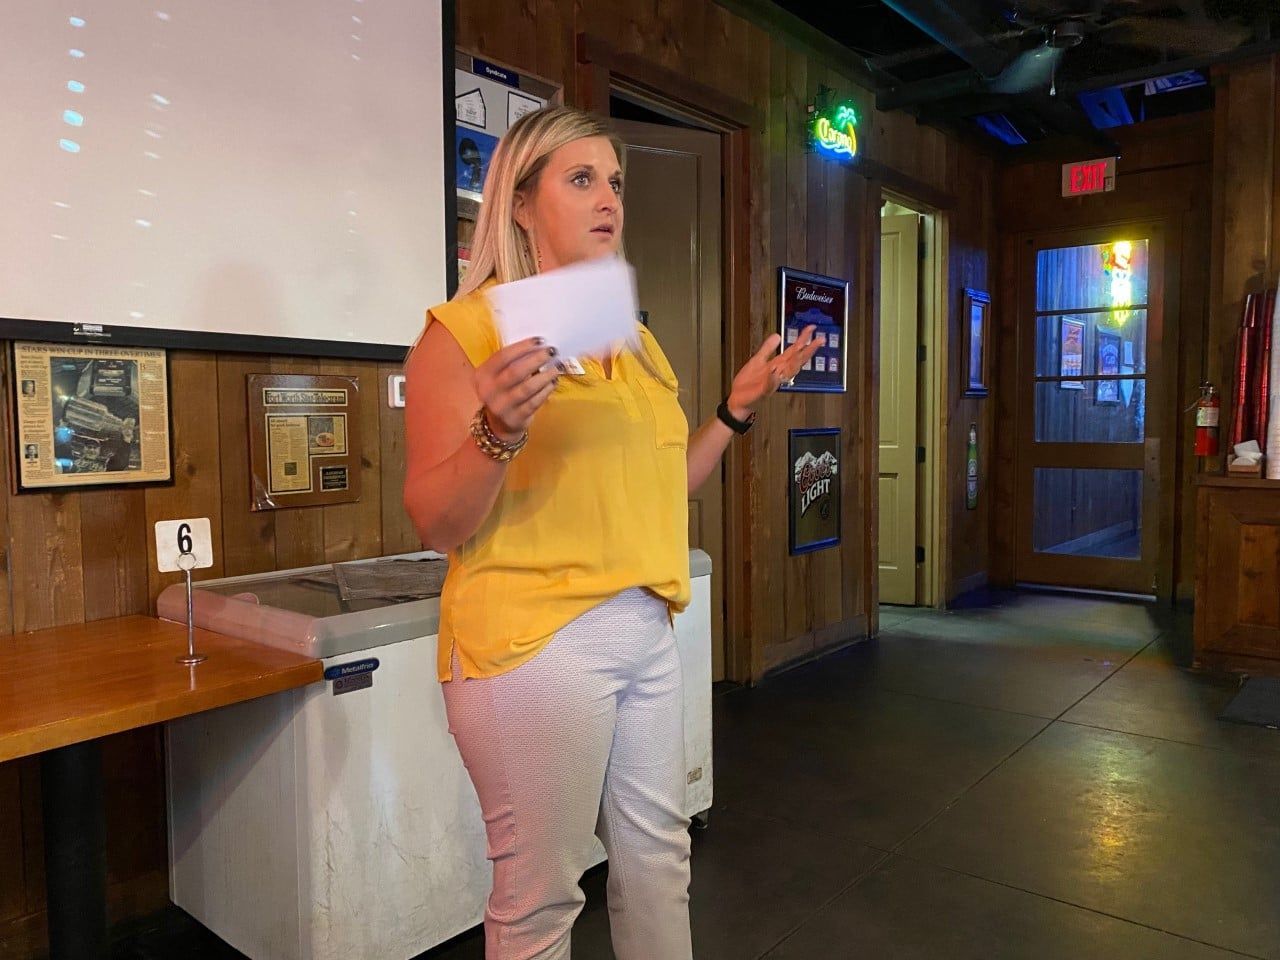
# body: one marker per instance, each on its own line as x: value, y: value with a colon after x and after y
x: 809, y: 299
x: 90, y: 416
x: 815, y: 489
x: 304, y: 440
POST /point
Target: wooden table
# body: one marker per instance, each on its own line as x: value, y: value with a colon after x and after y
x: 63, y: 689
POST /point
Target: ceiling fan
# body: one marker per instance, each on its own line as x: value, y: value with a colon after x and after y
x: 1170, y: 29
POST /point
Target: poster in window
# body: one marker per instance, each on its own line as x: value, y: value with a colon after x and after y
x: 1071, y: 353
x: 1108, y: 391
x: 815, y: 489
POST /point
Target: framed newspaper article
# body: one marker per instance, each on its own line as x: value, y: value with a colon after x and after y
x: 90, y: 416
x: 304, y: 440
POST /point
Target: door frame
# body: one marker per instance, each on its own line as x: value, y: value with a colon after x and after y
x: 602, y: 69
x: 931, y: 387
x: 1158, y: 453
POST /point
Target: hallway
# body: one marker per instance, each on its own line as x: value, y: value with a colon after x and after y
x: 1034, y: 779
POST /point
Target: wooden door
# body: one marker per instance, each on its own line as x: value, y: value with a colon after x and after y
x: 672, y: 235
x: 1091, y: 406
x: 899, y: 337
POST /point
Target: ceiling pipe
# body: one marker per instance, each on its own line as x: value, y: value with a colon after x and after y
x: 1137, y: 75
x: 961, y: 84
x: 947, y: 24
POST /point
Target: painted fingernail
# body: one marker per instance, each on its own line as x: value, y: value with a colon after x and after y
x: 562, y: 368
x: 552, y: 351
x: 539, y: 341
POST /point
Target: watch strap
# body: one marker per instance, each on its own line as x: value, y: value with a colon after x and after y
x: 732, y: 422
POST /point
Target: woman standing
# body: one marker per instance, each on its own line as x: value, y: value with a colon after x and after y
x: 559, y: 487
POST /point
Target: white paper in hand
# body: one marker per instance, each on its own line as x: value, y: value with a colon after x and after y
x: 584, y: 310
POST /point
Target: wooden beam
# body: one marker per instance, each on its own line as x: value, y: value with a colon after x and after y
x: 899, y: 182
x: 728, y: 112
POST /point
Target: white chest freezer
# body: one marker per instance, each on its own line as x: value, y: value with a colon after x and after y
x: 337, y: 821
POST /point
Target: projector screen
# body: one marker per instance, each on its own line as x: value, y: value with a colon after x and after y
x: 194, y: 172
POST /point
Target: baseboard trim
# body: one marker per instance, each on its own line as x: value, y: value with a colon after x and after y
x: 975, y: 581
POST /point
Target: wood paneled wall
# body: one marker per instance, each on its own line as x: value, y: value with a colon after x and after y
x: 1246, y: 207
x: 1164, y: 174
x: 81, y: 556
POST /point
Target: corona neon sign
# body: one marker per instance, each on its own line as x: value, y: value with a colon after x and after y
x: 835, y: 132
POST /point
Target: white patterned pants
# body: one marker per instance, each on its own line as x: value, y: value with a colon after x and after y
x: 586, y: 738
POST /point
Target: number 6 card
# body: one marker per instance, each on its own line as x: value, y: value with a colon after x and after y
x: 176, y: 537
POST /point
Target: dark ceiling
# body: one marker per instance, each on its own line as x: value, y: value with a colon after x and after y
x: 1057, y: 72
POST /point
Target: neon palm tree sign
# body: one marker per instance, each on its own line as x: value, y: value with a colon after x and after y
x: 835, y: 132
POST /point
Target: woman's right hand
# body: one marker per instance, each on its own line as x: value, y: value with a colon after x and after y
x: 514, y: 382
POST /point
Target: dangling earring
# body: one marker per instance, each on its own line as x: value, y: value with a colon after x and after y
x: 537, y: 254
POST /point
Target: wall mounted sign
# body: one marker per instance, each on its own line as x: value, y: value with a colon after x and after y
x: 815, y: 489
x: 304, y: 440
x: 809, y: 299
x: 833, y: 131
x: 488, y: 98
x: 1090, y: 176
x: 976, y: 309
x: 90, y: 416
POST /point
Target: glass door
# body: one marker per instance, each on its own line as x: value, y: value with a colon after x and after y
x: 1088, y: 483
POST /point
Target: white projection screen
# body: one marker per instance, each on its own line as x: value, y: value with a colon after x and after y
x: 243, y: 168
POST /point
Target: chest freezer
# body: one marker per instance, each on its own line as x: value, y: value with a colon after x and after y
x: 337, y: 820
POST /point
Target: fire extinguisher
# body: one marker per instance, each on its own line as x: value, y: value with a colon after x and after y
x: 1208, y: 408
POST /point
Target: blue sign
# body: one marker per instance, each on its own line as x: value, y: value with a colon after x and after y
x: 351, y: 669
x: 486, y: 69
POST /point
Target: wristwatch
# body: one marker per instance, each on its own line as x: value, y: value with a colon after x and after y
x: 732, y: 422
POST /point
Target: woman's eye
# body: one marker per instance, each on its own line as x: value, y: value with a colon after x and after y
x: 582, y: 179
x: 617, y: 186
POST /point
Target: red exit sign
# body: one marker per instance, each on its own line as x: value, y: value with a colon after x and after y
x: 1091, y: 176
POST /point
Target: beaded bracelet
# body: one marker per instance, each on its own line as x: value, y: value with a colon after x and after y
x: 490, y: 444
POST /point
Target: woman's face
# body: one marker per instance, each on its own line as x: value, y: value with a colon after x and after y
x: 575, y: 210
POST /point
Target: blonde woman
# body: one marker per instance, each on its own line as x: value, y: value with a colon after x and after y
x: 559, y: 490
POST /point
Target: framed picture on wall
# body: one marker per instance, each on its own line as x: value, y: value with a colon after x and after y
x: 976, y: 310
x: 1071, y: 353
x: 808, y: 299
x: 87, y: 416
x: 814, y: 465
x: 1108, y: 391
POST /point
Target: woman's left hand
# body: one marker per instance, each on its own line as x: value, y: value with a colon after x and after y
x: 764, y: 373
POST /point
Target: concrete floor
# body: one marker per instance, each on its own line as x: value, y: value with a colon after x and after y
x: 1038, y: 778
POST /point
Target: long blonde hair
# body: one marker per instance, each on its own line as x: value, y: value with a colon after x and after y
x: 501, y: 249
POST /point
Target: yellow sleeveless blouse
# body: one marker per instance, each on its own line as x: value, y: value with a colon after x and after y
x: 596, y: 503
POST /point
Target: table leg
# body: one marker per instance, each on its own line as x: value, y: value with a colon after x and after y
x: 75, y: 851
